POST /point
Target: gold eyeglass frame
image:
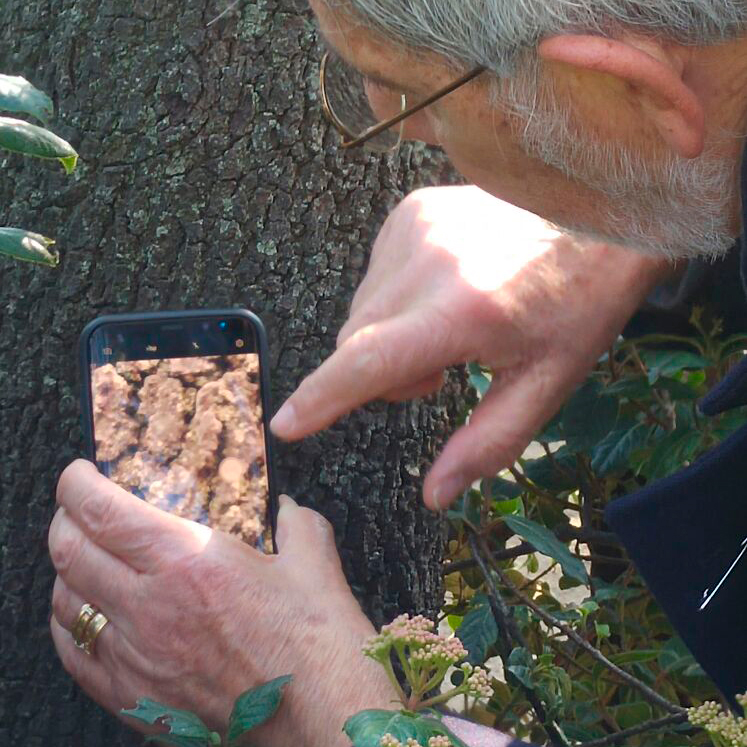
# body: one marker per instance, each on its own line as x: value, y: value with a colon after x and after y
x: 349, y: 139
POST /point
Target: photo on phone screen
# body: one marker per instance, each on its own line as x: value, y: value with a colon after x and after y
x: 185, y: 433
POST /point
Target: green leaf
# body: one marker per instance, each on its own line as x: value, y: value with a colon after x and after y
x: 639, y: 388
x: 185, y: 728
x: 615, y: 450
x: 27, y: 246
x: 478, y: 379
x: 521, y: 665
x: 670, y: 362
x: 21, y: 137
x: 548, y: 544
x: 255, y: 706
x: 677, y: 447
x: 478, y: 631
x: 18, y: 95
x: 366, y: 728
x: 553, y: 431
x: 589, y: 416
x: 466, y: 508
x: 557, y: 474
x: 629, y: 715
x: 628, y: 657
x: 602, y: 629
x: 498, y: 489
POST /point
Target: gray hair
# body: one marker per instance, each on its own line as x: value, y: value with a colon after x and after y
x: 678, y: 207
x: 496, y: 33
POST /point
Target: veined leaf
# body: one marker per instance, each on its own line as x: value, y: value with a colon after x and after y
x: 255, y: 706
x: 616, y: 448
x: 18, y: 95
x: 185, y: 728
x: 589, y: 416
x: 670, y: 362
x: 21, y: 137
x: 30, y: 247
x: 557, y: 474
x: 366, y: 728
x: 548, y: 544
x: 478, y: 631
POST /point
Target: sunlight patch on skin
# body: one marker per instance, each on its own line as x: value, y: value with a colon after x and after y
x: 523, y: 237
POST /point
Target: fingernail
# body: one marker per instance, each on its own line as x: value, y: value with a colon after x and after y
x: 446, y: 491
x: 284, y: 421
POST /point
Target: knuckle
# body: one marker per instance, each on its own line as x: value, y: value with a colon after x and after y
x: 318, y: 522
x: 60, y: 603
x: 64, y: 546
x: 96, y: 508
x: 370, y: 356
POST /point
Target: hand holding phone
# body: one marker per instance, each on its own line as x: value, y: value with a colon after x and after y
x: 175, y: 411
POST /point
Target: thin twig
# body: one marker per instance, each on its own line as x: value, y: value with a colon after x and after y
x: 539, y: 493
x: 650, y: 695
x: 510, y: 630
x: 652, y: 725
x: 525, y: 548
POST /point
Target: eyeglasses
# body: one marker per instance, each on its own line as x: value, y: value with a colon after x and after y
x: 347, y: 107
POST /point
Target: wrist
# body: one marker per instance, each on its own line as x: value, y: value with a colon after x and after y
x: 635, y: 273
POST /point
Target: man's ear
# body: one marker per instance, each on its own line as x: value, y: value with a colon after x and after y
x: 673, y: 108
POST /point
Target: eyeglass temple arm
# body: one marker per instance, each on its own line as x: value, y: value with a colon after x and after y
x: 372, y: 132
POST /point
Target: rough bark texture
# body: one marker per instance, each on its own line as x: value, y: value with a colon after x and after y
x: 207, y: 179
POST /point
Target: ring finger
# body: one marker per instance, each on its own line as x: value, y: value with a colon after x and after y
x: 67, y: 607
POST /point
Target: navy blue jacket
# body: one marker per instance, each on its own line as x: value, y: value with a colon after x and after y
x: 687, y: 534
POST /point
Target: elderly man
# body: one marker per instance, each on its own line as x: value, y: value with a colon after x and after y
x: 587, y: 126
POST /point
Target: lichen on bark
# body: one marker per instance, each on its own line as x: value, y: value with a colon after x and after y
x: 208, y: 178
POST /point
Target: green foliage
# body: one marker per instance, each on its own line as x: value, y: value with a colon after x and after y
x: 255, y: 706
x: 185, y: 728
x: 478, y: 630
x: 251, y: 709
x: 635, y: 419
x: 17, y: 95
x: 366, y: 728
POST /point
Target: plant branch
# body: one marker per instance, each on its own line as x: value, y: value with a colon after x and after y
x: 530, y: 487
x: 507, y: 625
x: 650, y: 695
x: 652, y: 725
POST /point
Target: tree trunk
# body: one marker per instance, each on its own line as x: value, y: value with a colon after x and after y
x: 207, y: 179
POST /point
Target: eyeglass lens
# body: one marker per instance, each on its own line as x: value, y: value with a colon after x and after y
x: 346, y: 94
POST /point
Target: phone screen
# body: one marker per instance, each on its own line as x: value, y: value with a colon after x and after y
x: 181, y: 427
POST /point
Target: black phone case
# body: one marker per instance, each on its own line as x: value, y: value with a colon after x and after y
x: 261, y: 337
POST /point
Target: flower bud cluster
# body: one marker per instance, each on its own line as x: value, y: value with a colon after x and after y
x: 417, y: 633
x: 439, y: 652
x: 389, y: 740
x: 478, y: 682
x: 712, y: 718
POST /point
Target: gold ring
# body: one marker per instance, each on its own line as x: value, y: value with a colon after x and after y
x: 93, y: 630
x: 86, y: 614
x: 87, y: 627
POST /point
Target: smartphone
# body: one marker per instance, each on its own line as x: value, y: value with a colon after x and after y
x: 175, y: 410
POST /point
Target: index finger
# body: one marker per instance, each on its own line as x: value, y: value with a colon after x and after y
x: 119, y: 522
x: 377, y: 359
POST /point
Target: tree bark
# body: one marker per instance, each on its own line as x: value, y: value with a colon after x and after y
x: 207, y: 179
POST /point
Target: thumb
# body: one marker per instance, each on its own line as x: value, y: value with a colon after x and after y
x: 306, y: 540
